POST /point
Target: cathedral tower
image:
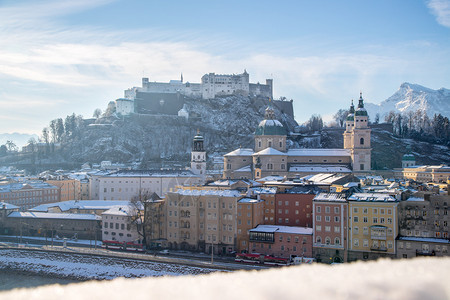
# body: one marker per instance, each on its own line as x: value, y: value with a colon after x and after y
x: 360, y: 139
x: 349, y: 125
x: 198, y: 156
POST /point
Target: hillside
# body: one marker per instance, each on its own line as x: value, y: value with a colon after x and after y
x: 226, y: 123
x: 410, y: 98
x: 387, y: 149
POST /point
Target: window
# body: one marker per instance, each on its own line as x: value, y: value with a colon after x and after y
x: 356, y: 242
x: 318, y: 209
x: 365, y: 243
x: 327, y: 209
x: 327, y: 240
x: 336, y: 210
x: 318, y: 228
x: 318, y: 239
x: 327, y: 228
x: 356, y: 230
x: 122, y: 226
x: 355, y: 219
x: 337, y: 229
x: 318, y: 218
x: 365, y: 219
x: 337, y: 241
x: 361, y: 141
x: 355, y: 210
x: 327, y: 218
x: 375, y: 220
x: 336, y: 219
x: 366, y: 230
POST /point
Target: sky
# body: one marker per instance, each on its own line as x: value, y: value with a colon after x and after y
x: 61, y: 57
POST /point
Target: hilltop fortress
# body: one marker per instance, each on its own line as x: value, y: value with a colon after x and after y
x: 168, y: 97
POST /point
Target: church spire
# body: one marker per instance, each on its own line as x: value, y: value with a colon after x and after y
x: 352, y: 108
x: 361, y: 101
x: 181, y: 77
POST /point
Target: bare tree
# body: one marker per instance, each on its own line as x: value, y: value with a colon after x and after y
x: 340, y: 117
x: 97, y: 113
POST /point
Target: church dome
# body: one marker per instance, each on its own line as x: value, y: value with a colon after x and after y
x: 408, y: 157
x: 198, y: 137
x: 270, y: 126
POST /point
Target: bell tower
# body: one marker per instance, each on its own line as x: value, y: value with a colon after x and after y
x: 349, y: 126
x: 198, y: 156
x: 360, y: 139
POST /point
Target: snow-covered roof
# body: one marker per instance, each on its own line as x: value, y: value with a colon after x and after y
x: 271, y: 178
x: 423, y: 239
x: 250, y: 200
x: 151, y: 173
x: 375, y: 197
x: 244, y: 169
x: 240, y: 152
x: 7, y: 206
x: 119, y: 210
x: 331, y: 197
x: 282, y: 229
x: 80, y: 204
x: 27, y: 185
x: 269, y: 151
x: 41, y: 215
x: 318, y: 152
x: 319, y: 168
x: 221, y: 193
x: 324, y: 178
x: 415, y: 199
x: 264, y: 190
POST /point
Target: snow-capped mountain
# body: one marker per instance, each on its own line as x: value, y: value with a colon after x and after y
x: 411, y: 97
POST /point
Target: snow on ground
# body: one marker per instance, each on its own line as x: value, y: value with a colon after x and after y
x: 71, y: 265
x: 412, y: 279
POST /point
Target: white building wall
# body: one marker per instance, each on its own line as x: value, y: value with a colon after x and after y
x: 124, y: 106
x: 125, y: 188
x: 119, y: 229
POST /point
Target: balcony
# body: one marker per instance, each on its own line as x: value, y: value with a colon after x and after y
x: 381, y: 249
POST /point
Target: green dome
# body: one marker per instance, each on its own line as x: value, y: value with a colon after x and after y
x: 270, y: 127
x: 361, y: 112
x: 350, y: 117
x: 408, y: 157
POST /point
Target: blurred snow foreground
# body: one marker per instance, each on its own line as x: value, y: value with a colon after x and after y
x: 421, y: 278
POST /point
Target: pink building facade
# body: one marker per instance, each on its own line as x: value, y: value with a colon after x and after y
x: 281, y: 241
x: 330, y: 227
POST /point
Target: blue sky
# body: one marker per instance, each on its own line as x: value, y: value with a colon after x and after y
x: 60, y: 57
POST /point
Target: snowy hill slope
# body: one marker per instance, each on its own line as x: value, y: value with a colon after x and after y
x: 412, y: 97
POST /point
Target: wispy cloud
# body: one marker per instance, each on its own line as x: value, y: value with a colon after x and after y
x: 441, y: 9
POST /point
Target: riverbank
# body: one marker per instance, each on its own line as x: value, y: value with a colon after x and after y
x: 80, y: 267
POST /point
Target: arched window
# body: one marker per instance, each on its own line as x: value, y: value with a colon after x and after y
x: 318, y: 239
x: 337, y: 241
x: 361, y: 141
x: 327, y: 240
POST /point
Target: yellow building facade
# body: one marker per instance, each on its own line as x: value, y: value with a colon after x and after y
x: 372, y: 226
